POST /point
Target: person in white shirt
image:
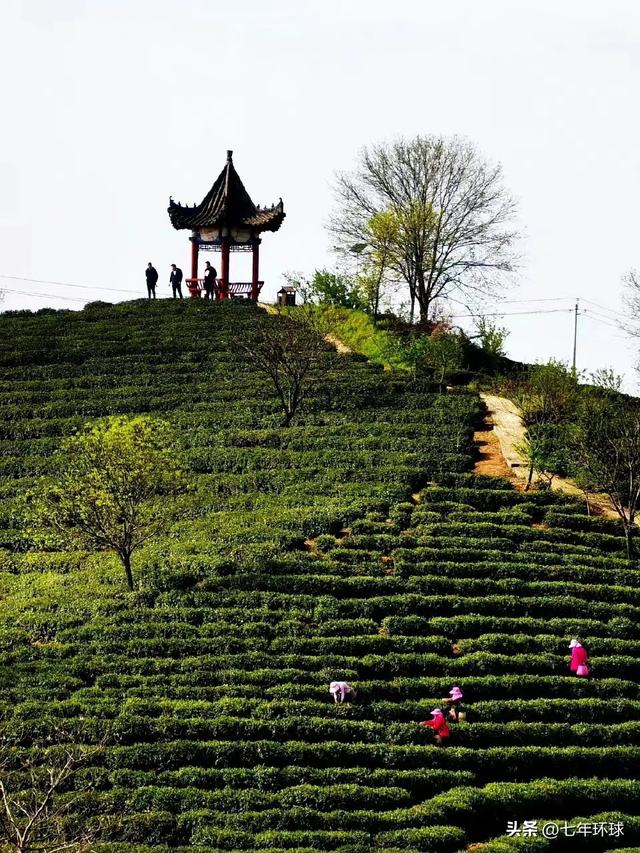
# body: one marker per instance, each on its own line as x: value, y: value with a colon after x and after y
x: 341, y: 690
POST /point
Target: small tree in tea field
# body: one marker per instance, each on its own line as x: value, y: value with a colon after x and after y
x: 547, y: 397
x: 112, y: 489
x: 286, y: 351
x: 37, y: 814
x: 440, y: 353
x: 607, y: 453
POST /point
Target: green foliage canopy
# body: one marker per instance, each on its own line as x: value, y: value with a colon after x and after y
x: 328, y: 288
x: 112, y: 489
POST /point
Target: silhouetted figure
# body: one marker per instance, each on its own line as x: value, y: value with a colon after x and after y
x: 175, y: 280
x: 152, y: 279
x: 210, y: 276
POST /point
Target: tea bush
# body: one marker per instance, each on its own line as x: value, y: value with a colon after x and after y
x: 355, y: 544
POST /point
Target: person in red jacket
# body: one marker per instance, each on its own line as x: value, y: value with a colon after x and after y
x: 438, y: 724
x: 579, y: 658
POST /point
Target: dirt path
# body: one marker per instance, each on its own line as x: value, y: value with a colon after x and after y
x: 330, y: 339
x: 498, y: 442
x: 509, y: 433
x: 337, y: 343
x: 491, y: 461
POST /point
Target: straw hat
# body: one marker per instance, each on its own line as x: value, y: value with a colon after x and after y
x: 574, y: 644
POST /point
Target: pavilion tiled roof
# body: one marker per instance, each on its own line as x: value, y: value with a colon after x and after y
x: 227, y: 204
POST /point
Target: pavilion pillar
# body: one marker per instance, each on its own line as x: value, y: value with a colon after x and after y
x: 255, y: 257
x: 194, y: 258
x: 224, y: 268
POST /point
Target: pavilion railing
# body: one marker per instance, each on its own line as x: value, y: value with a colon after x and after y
x: 234, y: 288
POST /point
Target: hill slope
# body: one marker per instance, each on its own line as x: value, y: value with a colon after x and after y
x: 202, y: 698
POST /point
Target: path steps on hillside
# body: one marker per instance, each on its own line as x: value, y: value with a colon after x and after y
x: 491, y: 460
x: 509, y: 432
x: 498, y: 442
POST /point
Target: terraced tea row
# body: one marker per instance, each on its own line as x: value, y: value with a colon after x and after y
x: 200, y: 702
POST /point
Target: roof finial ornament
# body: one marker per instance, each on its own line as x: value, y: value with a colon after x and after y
x: 229, y: 155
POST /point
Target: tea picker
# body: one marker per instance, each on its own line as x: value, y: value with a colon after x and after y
x: 342, y: 691
x: 453, y: 704
x: 579, y: 658
x: 439, y: 726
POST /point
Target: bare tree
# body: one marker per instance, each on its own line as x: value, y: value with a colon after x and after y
x: 631, y: 299
x: 286, y: 350
x: 607, y: 455
x: 33, y: 819
x: 454, y: 230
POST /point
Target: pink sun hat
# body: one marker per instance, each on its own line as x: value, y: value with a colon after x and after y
x: 436, y: 711
x: 455, y: 693
x: 574, y: 644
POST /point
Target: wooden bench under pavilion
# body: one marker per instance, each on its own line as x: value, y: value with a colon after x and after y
x: 225, y: 221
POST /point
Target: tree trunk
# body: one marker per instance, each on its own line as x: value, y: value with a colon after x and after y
x: 423, y: 295
x: 126, y: 562
x: 629, y: 541
x: 530, y: 479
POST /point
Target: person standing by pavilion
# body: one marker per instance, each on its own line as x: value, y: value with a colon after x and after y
x: 210, y: 276
x: 175, y: 280
x: 151, y: 274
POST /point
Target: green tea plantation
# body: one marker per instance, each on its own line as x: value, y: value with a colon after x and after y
x: 356, y: 544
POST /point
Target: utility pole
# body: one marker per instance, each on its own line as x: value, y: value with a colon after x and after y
x: 575, y: 333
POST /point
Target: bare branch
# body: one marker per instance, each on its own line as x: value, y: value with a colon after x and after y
x: 455, y: 229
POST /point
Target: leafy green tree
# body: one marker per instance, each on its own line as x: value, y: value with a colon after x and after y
x: 380, y: 256
x: 548, y: 394
x: 112, y: 489
x: 440, y: 354
x: 491, y: 336
x: 328, y: 288
x: 547, y: 449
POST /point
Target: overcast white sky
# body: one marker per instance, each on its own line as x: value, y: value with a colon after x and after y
x: 110, y: 106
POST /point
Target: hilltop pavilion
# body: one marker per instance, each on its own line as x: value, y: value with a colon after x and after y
x: 226, y: 220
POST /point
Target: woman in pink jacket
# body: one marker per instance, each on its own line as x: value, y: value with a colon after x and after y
x: 439, y: 726
x: 579, y: 658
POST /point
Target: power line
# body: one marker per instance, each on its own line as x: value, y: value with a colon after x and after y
x: 542, y: 299
x: 603, y: 317
x: 44, y: 295
x: 599, y: 319
x: 514, y: 313
x: 66, y: 284
x: 548, y: 299
x: 604, y: 308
